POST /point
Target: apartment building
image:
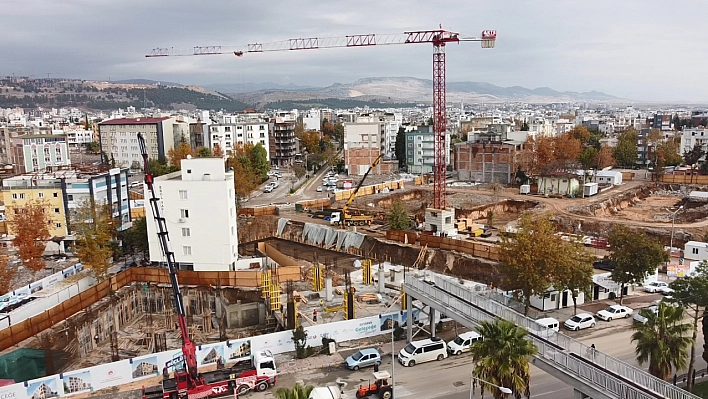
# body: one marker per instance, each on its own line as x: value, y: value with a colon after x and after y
x: 119, y: 139
x: 363, y: 142
x: 692, y: 136
x: 66, y: 189
x: 78, y: 137
x: 231, y: 133
x: 199, y: 208
x: 39, y: 152
x: 491, y: 156
x: 420, y: 150
x: 311, y: 119
x: 281, y: 145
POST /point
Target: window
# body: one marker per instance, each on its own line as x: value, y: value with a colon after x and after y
x: 58, y: 225
x: 232, y: 230
x: 70, y: 197
x: 695, y: 251
x: 40, y: 195
x: 183, y: 194
x: 22, y: 195
x: 186, y: 250
x: 186, y: 232
x: 56, y: 210
x: 55, y: 195
x: 189, y: 171
x: 184, y: 213
x: 14, y: 195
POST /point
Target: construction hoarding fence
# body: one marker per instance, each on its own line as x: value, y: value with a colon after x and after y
x: 146, y: 370
x: 258, y: 211
x: 684, y: 179
x: 474, y: 248
x: 368, y: 190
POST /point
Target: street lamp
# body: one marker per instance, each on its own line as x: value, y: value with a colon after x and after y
x: 673, y: 222
x: 393, y: 363
x: 503, y: 390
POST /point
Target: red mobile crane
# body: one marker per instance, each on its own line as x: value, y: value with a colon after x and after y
x: 258, y: 374
x: 438, y: 37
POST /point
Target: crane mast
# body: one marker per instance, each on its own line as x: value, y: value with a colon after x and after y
x: 189, y: 349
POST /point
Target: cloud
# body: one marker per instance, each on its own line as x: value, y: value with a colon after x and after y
x: 633, y: 49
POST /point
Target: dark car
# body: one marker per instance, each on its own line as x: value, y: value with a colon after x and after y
x: 604, y: 264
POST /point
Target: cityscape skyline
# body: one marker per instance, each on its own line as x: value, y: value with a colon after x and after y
x: 624, y: 49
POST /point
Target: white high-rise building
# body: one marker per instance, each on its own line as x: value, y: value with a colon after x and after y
x: 311, y: 119
x: 199, y: 208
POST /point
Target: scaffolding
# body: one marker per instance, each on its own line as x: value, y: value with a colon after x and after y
x: 317, y: 278
x: 366, y: 274
x: 265, y: 283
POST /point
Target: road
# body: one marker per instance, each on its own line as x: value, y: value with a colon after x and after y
x: 280, y: 194
x: 450, y: 378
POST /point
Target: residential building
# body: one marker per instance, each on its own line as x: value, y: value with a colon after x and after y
x: 363, y: 141
x: 391, y: 123
x: 63, y: 190
x: 119, y: 139
x: 143, y: 369
x: 311, y: 120
x: 489, y: 156
x: 233, y: 134
x: 199, y: 207
x: 282, y: 147
x: 420, y: 150
x: 40, y: 152
x: 695, y: 251
x: 78, y: 137
x: 661, y: 122
x: 196, y: 134
x: 692, y: 136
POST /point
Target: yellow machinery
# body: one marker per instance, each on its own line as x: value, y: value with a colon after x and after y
x: 404, y: 298
x: 265, y: 283
x: 274, y: 296
x: 343, y: 217
x: 366, y: 272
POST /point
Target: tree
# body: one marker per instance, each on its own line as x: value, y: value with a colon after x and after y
x: 217, y: 151
x: 204, y: 152
x: 296, y: 392
x: 694, y: 154
x: 93, y: 147
x: 580, y: 133
x: 179, y: 153
x: 604, y: 157
x: 135, y: 239
x: 299, y: 170
x: 7, y: 273
x: 30, y: 226
x: 259, y: 161
x: 567, y: 149
x: 299, y: 129
x: 588, y: 158
x: 398, y: 216
x: 537, y: 155
x: 669, y: 152
x: 310, y: 140
x: 625, y: 153
x: 95, y: 231
x: 339, y: 133
x: 692, y: 294
x: 245, y: 180
x: 635, y: 256
x: 575, y: 275
x: 400, y: 148
x: 534, y: 259
x: 502, y: 358
x: 661, y: 341
x: 327, y: 128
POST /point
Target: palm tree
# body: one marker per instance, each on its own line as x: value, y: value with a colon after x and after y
x: 296, y: 392
x: 502, y: 358
x: 661, y: 341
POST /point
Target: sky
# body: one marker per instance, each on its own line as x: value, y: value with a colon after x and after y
x: 643, y: 50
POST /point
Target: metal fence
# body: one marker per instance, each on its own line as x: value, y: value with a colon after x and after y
x: 563, y: 352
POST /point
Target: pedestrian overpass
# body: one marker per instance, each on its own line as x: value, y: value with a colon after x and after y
x: 592, y: 374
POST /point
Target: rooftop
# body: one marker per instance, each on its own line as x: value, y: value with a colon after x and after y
x: 134, y: 121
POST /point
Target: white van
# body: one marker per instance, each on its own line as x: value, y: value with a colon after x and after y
x: 463, y: 342
x: 545, y: 324
x: 423, y: 351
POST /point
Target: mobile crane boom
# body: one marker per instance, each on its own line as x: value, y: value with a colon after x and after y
x: 361, y: 183
x: 189, y: 349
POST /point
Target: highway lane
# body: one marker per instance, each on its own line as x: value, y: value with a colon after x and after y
x: 450, y: 379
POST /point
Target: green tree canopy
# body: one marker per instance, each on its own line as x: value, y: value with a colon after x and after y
x: 661, y: 341
x: 135, y: 239
x: 401, y: 146
x: 398, y: 216
x: 635, y: 256
x: 296, y: 392
x: 259, y: 161
x: 625, y: 153
x: 502, y: 358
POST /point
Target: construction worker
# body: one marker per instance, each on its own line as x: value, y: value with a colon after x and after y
x: 314, y: 315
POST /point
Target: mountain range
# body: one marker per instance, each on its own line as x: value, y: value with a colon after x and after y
x: 402, y: 90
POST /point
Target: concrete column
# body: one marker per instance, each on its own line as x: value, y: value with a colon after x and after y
x: 409, y: 323
x: 382, y: 280
x: 431, y: 321
x: 579, y: 395
x: 328, y: 289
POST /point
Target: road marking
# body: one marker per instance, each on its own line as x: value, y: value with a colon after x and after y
x: 538, y: 395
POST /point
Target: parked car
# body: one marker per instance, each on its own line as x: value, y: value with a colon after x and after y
x: 319, y: 189
x: 615, y: 312
x: 268, y: 188
x: 656, y: 286
x: 579, y: 322
x: 462, y: 343
x: 423, y: 351
x: 603, y: 264
x: 640, y: 318
x: 363, y: 358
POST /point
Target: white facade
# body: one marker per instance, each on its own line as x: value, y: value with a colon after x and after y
x: 79, y: 137
x: 696, y: 250
x: 199, y: 208
x: 311, y: 120
x: 609, y: 177
x: 119, y: 139
x: 440, y: 221
x: 232, y: 135
x: 420, y: 151
x: 365, y: 136
x: 553, y: 299
x: 391, y: 124
x: 691, y: 137
x: 105, y: 188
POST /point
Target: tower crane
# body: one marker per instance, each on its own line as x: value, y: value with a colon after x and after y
x: 439, y: 39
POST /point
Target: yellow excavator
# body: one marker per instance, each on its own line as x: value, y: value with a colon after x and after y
x: 343, y: 217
